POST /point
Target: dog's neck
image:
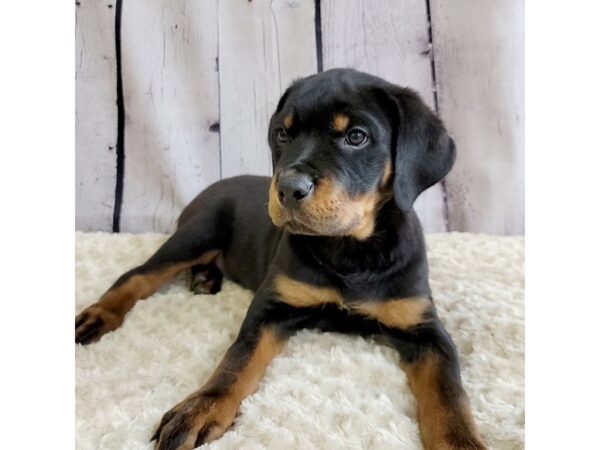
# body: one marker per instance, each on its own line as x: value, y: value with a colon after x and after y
x: 395, y: 246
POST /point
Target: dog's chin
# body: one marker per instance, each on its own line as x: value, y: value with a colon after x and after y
x: 297, y: 228
x: 297, y: 223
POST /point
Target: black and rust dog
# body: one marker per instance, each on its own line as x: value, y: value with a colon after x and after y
x: 341, y: 249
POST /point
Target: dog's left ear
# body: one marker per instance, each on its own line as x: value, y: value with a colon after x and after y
x: 424, y: 152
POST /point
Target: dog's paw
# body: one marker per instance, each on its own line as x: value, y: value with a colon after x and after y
x: 202, y: 284
x: 94, y: 322
x: 206, y: 281
x: 199, y: 419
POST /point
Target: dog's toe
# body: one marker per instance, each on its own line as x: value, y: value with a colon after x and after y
x: 195, y: 421
x: 93, y: 323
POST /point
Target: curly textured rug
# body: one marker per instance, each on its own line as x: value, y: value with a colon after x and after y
x: 325, y: 391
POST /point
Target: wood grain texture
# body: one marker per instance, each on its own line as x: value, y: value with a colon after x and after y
x: 478, y: 48
x: 95, y: 115
x: 388, y: 39
x: 190, y: 65
x: 170, y: 82
x: 263, y: 47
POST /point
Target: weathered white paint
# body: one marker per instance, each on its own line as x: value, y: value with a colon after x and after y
x: 95, y: 115
x: 388, y: 39
x: 263, y: 47
x: 170, y: 82
x: 175, y: 89
x: 478, y: 50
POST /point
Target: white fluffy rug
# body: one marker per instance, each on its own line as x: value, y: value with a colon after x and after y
x: 325, y: 391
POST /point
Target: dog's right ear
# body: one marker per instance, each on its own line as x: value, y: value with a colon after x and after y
x: 423, y: 153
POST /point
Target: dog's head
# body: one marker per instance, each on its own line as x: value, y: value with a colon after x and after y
x: 345, y: 142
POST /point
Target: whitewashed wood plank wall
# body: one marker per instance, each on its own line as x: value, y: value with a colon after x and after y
x: 200, y: 78
x: 479, y: 69
x: 95, y: 116
x: 171, y: 97
x: 263, y: 47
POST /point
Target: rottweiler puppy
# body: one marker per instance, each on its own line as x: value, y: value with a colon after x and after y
x: 338, y: 248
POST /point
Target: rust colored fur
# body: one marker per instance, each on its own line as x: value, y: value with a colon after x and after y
x: 330, y: 211
x: 340, y: 122
x: 399, y: 313
x: 445, y: 419
x: 208, y: 413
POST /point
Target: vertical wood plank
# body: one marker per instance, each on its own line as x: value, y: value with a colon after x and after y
x: 95, y: 115
x: 478, y: 49
x: 388, y: 39
x: 263, y: 47
x: 170, y: 81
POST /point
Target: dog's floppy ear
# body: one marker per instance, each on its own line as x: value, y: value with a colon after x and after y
x: 424, y: 153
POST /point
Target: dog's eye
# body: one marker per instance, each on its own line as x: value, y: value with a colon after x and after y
x: 356, y: 137
x: 282, y: 136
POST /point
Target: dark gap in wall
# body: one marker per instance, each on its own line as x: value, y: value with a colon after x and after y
x: 318, y: 36
x: 216, y: 127
x: 436, y: 106
x: 120, y: 123
x: 431, y: 55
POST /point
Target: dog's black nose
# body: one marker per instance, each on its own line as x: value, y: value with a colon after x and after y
x: 294, y: 186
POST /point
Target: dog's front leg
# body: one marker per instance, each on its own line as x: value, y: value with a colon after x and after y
x: 431, y: 364
x: 206, y: 414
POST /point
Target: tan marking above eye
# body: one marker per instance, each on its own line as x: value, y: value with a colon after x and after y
x: 340, y: 122
x: 288, y: 121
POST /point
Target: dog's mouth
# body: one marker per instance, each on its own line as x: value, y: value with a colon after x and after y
x: 292, y: 221
x: 299, y: 228
x: 295, y: 223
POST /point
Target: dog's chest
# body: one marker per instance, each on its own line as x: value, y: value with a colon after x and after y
x: 401, y: 312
